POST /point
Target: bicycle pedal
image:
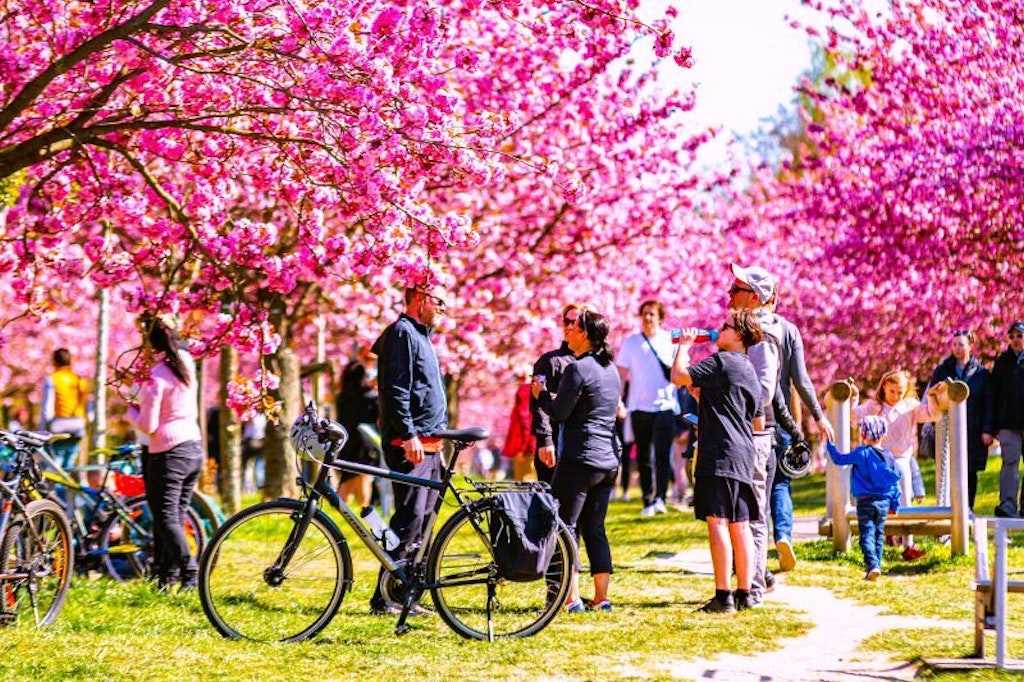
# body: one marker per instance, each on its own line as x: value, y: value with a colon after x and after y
x: 402, y: 629
x: 7, y: 617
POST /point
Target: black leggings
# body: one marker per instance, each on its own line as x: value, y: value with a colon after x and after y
x: 583, y: 493
x: 171, y: 478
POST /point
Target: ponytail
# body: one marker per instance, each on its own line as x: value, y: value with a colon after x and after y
x: 162, y: 339
x: 595, y: 326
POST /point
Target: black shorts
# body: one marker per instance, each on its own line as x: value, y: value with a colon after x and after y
x: 725, y: 498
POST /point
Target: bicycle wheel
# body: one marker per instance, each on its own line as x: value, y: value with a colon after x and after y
x: 244, y: 598
x: 39, y: 564
x: 126, y: 543
x: 470, y: 597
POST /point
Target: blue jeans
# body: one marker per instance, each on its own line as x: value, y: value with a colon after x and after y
x: 782, y: 500
x: 871, y: 513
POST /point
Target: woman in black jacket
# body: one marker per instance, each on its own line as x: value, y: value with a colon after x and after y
x: 588, y: 454
x: 357, y: 404
x: 961, y: 365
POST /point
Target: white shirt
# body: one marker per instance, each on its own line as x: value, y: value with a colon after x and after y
x: 649, y: 390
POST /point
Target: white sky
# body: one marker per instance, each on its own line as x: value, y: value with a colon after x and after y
x: 747, y: 58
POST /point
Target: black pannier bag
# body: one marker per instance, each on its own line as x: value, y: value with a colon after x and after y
x: 523, y: 529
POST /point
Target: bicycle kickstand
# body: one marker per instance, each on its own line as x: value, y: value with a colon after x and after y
x: 402, y: 627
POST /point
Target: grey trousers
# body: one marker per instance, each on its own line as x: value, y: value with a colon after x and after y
x: 1009, y: 475
x: 764, y: 470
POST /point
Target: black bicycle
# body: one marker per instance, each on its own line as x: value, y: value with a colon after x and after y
x: 36, y: 557
x: 278, y: 571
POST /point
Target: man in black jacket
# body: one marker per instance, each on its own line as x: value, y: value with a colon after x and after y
x: 961, y: 365
x: 1004, y: 416
x: 551, y: 366
x: 413, y: 407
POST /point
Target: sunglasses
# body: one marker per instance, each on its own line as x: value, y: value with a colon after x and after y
x: 438, y: 302
x: 1016, y: 335
x: 566, y: 321
x: 728, y: 326
x: 735, y: 289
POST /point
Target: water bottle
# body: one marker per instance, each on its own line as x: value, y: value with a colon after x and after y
x: 703, y: 335
x: 381, y: 532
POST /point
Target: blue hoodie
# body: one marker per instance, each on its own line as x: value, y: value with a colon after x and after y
x: 874, y: 472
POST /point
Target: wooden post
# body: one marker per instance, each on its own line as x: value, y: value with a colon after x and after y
x: 837, y: 478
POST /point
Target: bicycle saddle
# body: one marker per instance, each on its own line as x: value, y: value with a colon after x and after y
x: 470, y: 435
x: 41, y: 437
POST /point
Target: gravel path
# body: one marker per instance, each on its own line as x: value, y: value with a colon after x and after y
x: 829, y: 651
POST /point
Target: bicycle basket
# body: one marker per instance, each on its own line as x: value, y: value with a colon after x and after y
x: 129, y: 485
x: 523, y: 534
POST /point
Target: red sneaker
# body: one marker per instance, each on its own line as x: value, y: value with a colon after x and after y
x: 912, y: 553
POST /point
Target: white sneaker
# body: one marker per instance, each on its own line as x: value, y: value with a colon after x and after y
x: 659, y: 506
x: 648, y: 511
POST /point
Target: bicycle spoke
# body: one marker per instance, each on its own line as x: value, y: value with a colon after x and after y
x: 246, y: 597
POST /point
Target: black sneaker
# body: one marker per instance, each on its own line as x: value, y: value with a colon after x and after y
x: 716, y: 605
x: 747, y: 601
x: 769, y: 580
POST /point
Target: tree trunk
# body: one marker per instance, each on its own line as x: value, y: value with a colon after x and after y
x: 230, y: 437
x: 99, y: 425
x: 452, y: 384
x: 281, y: 469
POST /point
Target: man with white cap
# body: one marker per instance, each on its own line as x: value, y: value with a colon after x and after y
x: 753, y: 289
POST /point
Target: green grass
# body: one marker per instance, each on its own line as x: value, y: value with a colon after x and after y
x: 128, y: 631
x: 907, y: 644
x: 937, y: 586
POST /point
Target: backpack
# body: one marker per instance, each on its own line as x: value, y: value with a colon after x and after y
x: 523, y: 527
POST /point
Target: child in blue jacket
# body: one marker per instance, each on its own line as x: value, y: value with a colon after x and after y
x: 875, y: 483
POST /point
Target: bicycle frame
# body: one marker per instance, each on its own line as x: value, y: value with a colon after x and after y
x: 320, y: 488
x: 96, y: 496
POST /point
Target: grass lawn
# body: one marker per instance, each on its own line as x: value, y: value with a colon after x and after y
x: 936, y: 586
x: 128, y: 631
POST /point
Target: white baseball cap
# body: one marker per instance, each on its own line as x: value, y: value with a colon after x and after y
x: 760, y: 280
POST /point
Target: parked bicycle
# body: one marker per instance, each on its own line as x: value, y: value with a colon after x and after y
x: 113, y: 531
x: 279, y: 570
x: 36, y: 557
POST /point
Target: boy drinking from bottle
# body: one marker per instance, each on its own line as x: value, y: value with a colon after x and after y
x: 875, y: 483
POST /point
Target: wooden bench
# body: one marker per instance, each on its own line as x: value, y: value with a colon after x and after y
x: 989, y: 604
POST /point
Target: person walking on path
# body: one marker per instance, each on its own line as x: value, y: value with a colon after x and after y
x: 753, y: 289
x: 961, y: 365
x: 588, y: 460
x: 550, y: 366
x: 793, y: 375
x: 874, y: 483
x: 520, y: 444
x: 63, y: 407
x: 1004, y: 417
x: 413, y: 407
x: 644, y: 361
x: 167, y: 413
x: 731, y: 407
